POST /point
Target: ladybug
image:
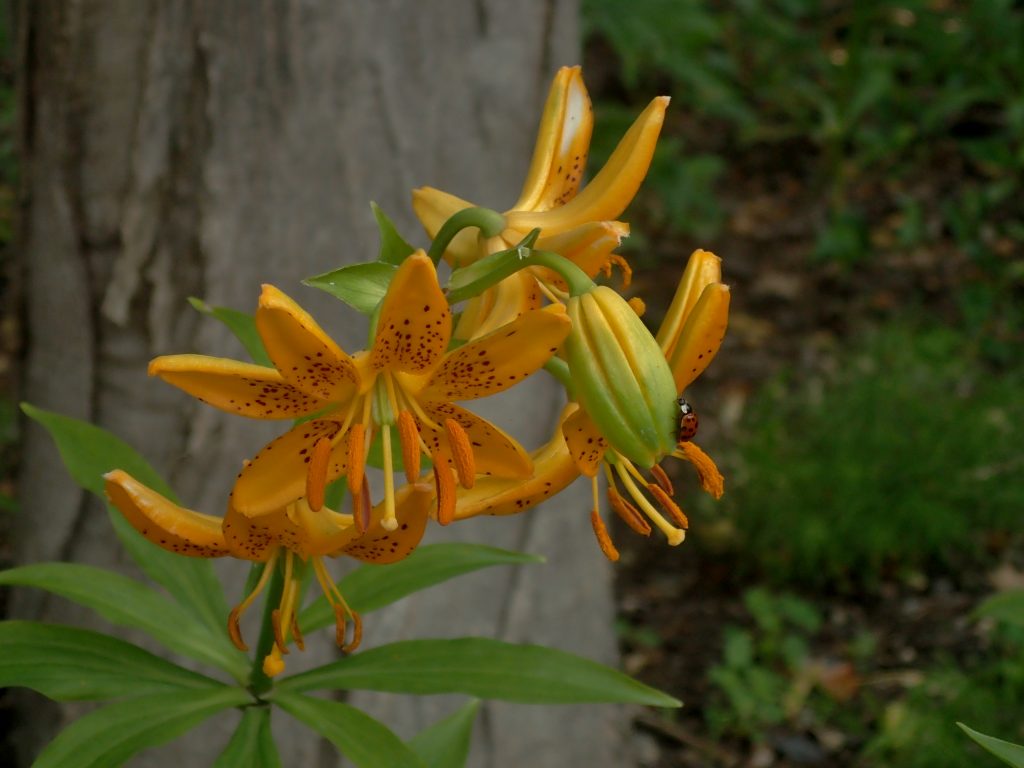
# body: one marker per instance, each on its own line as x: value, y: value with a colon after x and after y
x: 687, y: 421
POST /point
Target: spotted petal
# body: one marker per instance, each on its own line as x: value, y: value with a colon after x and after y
x: 306, y: 356
x: 243, y: 388
x: 297, y: 527
x: 563, y: 140
x: 276, y: 476
x: 500, y: 359
x: 379, y: 545
x: 415, y: 323
x: 163, y: 522
x: 585, y: 443
x: 608, y: 194
x: 494, y: 452
x: 433, y: 208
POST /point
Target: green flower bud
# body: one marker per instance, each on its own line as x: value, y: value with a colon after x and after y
x: 620, y: 376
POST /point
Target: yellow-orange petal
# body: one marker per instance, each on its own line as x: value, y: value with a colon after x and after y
x: 563, y: 140
x: 702, y: 269
x: 515, y: 295
x: 584, y: 441
x: 701, y: 336
x: 163, y: 522
x: 415, y: 323
x: 588, y: 246
x: 553, y: 471
x: 277, y: 474
x: 243, y: 388
x: 379, y: 545
x: 304, y: 354
x: 433, y: 208
x: 494, y: 452
x: 500, y: 359
x: 608, y: 194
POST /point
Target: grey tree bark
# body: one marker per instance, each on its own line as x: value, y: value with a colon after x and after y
x: 188, y: 148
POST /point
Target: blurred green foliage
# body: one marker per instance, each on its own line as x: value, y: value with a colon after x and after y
x: 888, y: 91
x: 902, y: 461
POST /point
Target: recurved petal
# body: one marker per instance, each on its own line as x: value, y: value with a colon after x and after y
x: 588, y: 246
x: 702, y: 269
x: 608, y: 194
x: 243, y: 388
x: 585, y: 443
x: 701, y: 335
x: 553, y: 470
x: 379, y: 545
x: 276, y: 477
x: 500, y: 359
x: 415, y: 323
x: 563, y: 140
x: 163, y: 522
x: 433, y: 208
x: 306, y: 356
x: 494, y: 452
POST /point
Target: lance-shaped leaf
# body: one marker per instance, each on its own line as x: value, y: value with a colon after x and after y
x: 1008, y: 752
x: 393, y: 247
x: 361, y: 286
x: 487, y: 669
x: 129, y: 603
x: 371, y: 587
x: 445, y: 744
x: 69, y: 664
x: 242, y: 325
x: 111, y: 735
x: 366, y: 742
x: 252, y: 743
x: 88, y: 453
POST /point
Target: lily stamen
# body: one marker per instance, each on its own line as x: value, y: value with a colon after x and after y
x: 316, y: 477
x: 462, y: 452
x: 603, y: 539
x: 444, y: 480
x: 234, y: 630
x: 629, y: 514
x: 389, y: 521
x: 279, y: 639
x: 342, y: 611
x: 409, y: 439
x: 711, y: 479
x: 661, y: 477
x: 674, y: 535
x: 356, y: 458
x: 669, y: 505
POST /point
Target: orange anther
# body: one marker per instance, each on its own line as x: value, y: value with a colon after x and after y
x: 235, y: 631
x: 362, y: 506
x: 339, y: 625
x: 316, y: 476
x: 603, y: 539
x: 356, y: 457
x: 444, y: 481
x: 409, y: 439
x: 275, y: 622
x: 300, y: 641
x: 669, y: 505
x: 711, y: 479
x: 357, y: 634
x: 629, y: 514
x: 462, y: 452
x: 663, y: 481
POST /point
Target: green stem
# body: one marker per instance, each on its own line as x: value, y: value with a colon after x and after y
x: 488, y: 272
x: 259, y: 683
x: 558, y: 368
x: 490, y: 223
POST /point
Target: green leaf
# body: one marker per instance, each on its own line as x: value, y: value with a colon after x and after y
x: 129, y: 603
x: 67, y: 664
x: 1004, y: 606
x: 1008, y: 752
x: 252, y: 744
x: 88, y: 453
x: 109, y: 736
x: 361, y: 286
x: 242, y: 324
x: 445, y: 744
x: 372, y: 587
x: 480, y: 667
x: 393, y: 247
x: 363, y: 740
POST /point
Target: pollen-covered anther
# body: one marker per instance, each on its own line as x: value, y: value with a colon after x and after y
x: 409, y: 439
x: 462, y: 452
x: 662, y: 479
x: 617, y: 261
x: 444, y: 481
x: 603, y: 539
x: 340, y: 620
x: 275, y: 622
x: 362, y: 506
x: 300, y: 641
x: 316, y: 475
x: 235, y: 631
x: 711, y: 479
x: 357, y: 634
x: 669, y: 505
x: 356, y: 458
x: 629, y: 514
x: 637, y: 305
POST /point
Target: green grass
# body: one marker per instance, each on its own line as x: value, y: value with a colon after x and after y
x: 902, y: 461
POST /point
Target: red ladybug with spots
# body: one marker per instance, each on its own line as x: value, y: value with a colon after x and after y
x: 687, y: 421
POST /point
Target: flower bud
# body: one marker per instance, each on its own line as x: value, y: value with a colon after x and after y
x: 620, y: 376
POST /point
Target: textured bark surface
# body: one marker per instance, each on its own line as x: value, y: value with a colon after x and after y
x: 176, y: 149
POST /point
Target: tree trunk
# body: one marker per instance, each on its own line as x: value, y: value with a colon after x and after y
x: 176, y: 149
